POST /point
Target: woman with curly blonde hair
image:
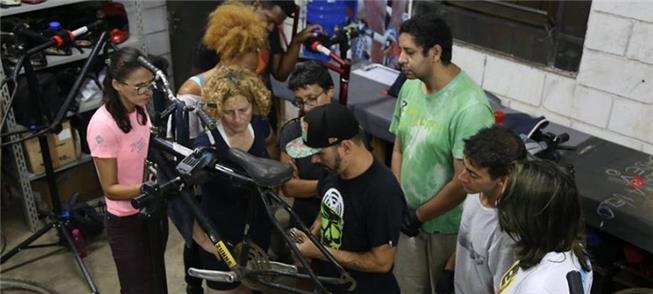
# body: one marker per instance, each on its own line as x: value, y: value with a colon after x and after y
x: 274, y: 60
x: 235, y: 32
x: 237, y: 35
x: 271, y: 13
x: 239, y: 101
x: 228, y: 82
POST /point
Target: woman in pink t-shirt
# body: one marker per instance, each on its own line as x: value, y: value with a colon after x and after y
x: 118, y: 137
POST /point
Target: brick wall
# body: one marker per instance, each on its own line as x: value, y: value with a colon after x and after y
x: 610, y: 97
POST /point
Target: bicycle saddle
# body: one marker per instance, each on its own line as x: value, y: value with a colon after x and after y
x: 264, y: 171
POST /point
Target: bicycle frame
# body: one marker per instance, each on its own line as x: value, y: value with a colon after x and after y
x: 238, y: 265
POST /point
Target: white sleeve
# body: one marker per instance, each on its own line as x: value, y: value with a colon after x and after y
x: 500, y: 256
x: 193, y: 121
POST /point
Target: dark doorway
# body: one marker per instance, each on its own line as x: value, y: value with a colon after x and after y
x: 187, y: 20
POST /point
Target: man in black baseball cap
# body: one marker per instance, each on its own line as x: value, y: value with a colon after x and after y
x: 362, y: 202
x: 323, y: 127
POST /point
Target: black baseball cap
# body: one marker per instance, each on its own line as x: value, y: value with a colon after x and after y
x: 323, y: 126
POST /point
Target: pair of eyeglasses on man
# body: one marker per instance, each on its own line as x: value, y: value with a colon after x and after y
x: 310, y: 100
x: 143, y: 88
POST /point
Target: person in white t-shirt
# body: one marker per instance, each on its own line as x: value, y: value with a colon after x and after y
x: 540, y: 210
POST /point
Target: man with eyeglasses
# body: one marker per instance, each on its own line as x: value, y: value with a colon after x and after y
x: 312, y: 86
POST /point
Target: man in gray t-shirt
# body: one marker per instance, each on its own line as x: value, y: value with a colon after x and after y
x: 483, y: 251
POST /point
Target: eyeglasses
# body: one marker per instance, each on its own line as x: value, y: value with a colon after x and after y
x: 140, y: 90
x: 308, y: 100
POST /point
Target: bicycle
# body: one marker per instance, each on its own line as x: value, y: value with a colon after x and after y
x: 248, y: 262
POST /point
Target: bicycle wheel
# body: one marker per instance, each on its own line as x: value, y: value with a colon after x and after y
x: 22, y: 286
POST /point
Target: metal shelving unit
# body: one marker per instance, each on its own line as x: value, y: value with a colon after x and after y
x: 29, y: 205
x: 82, y: 159
x: 24, y: 177
x: 24, y: 7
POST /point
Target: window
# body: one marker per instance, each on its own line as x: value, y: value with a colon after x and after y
x: 545, y: 32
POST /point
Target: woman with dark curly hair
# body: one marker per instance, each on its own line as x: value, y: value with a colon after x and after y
x: 238, y: 100
x: 541, y: 211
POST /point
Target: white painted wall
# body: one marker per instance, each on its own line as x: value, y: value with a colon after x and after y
x: 610, y: 97
x: 152, y: 27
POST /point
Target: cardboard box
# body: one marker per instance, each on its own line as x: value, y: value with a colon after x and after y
x: 62, y: 150
x: 80, y: 179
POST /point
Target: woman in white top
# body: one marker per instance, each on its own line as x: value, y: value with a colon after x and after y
x: 540, y: 209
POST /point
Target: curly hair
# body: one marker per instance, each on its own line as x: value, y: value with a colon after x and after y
x: 233, y: 29
x: 232, y: 81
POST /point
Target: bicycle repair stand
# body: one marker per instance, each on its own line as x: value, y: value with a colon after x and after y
x: 263, y: 173
x: 156, y: 219
x: 60, y: 221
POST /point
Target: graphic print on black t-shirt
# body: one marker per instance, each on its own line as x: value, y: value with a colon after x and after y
x: 332, y: 221
x: 357, y: 215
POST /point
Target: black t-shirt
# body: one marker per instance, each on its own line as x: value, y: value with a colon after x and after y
x: 357, y: 215
x: 306, y: 208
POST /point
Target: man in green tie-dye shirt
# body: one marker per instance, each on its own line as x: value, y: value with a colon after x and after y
x: 438, y: 106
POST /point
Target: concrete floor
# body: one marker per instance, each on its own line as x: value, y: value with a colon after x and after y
x: 56, y: 269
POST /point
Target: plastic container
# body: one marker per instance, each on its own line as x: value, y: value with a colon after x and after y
x: 53, y: 27
x: 80, y: 244
x: 328, y: 14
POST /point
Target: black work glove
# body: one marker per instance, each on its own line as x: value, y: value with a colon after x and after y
x: 444, y: 284
x: 411, y: 224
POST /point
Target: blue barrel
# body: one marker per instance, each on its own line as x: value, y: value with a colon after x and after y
x: 329, y: 14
